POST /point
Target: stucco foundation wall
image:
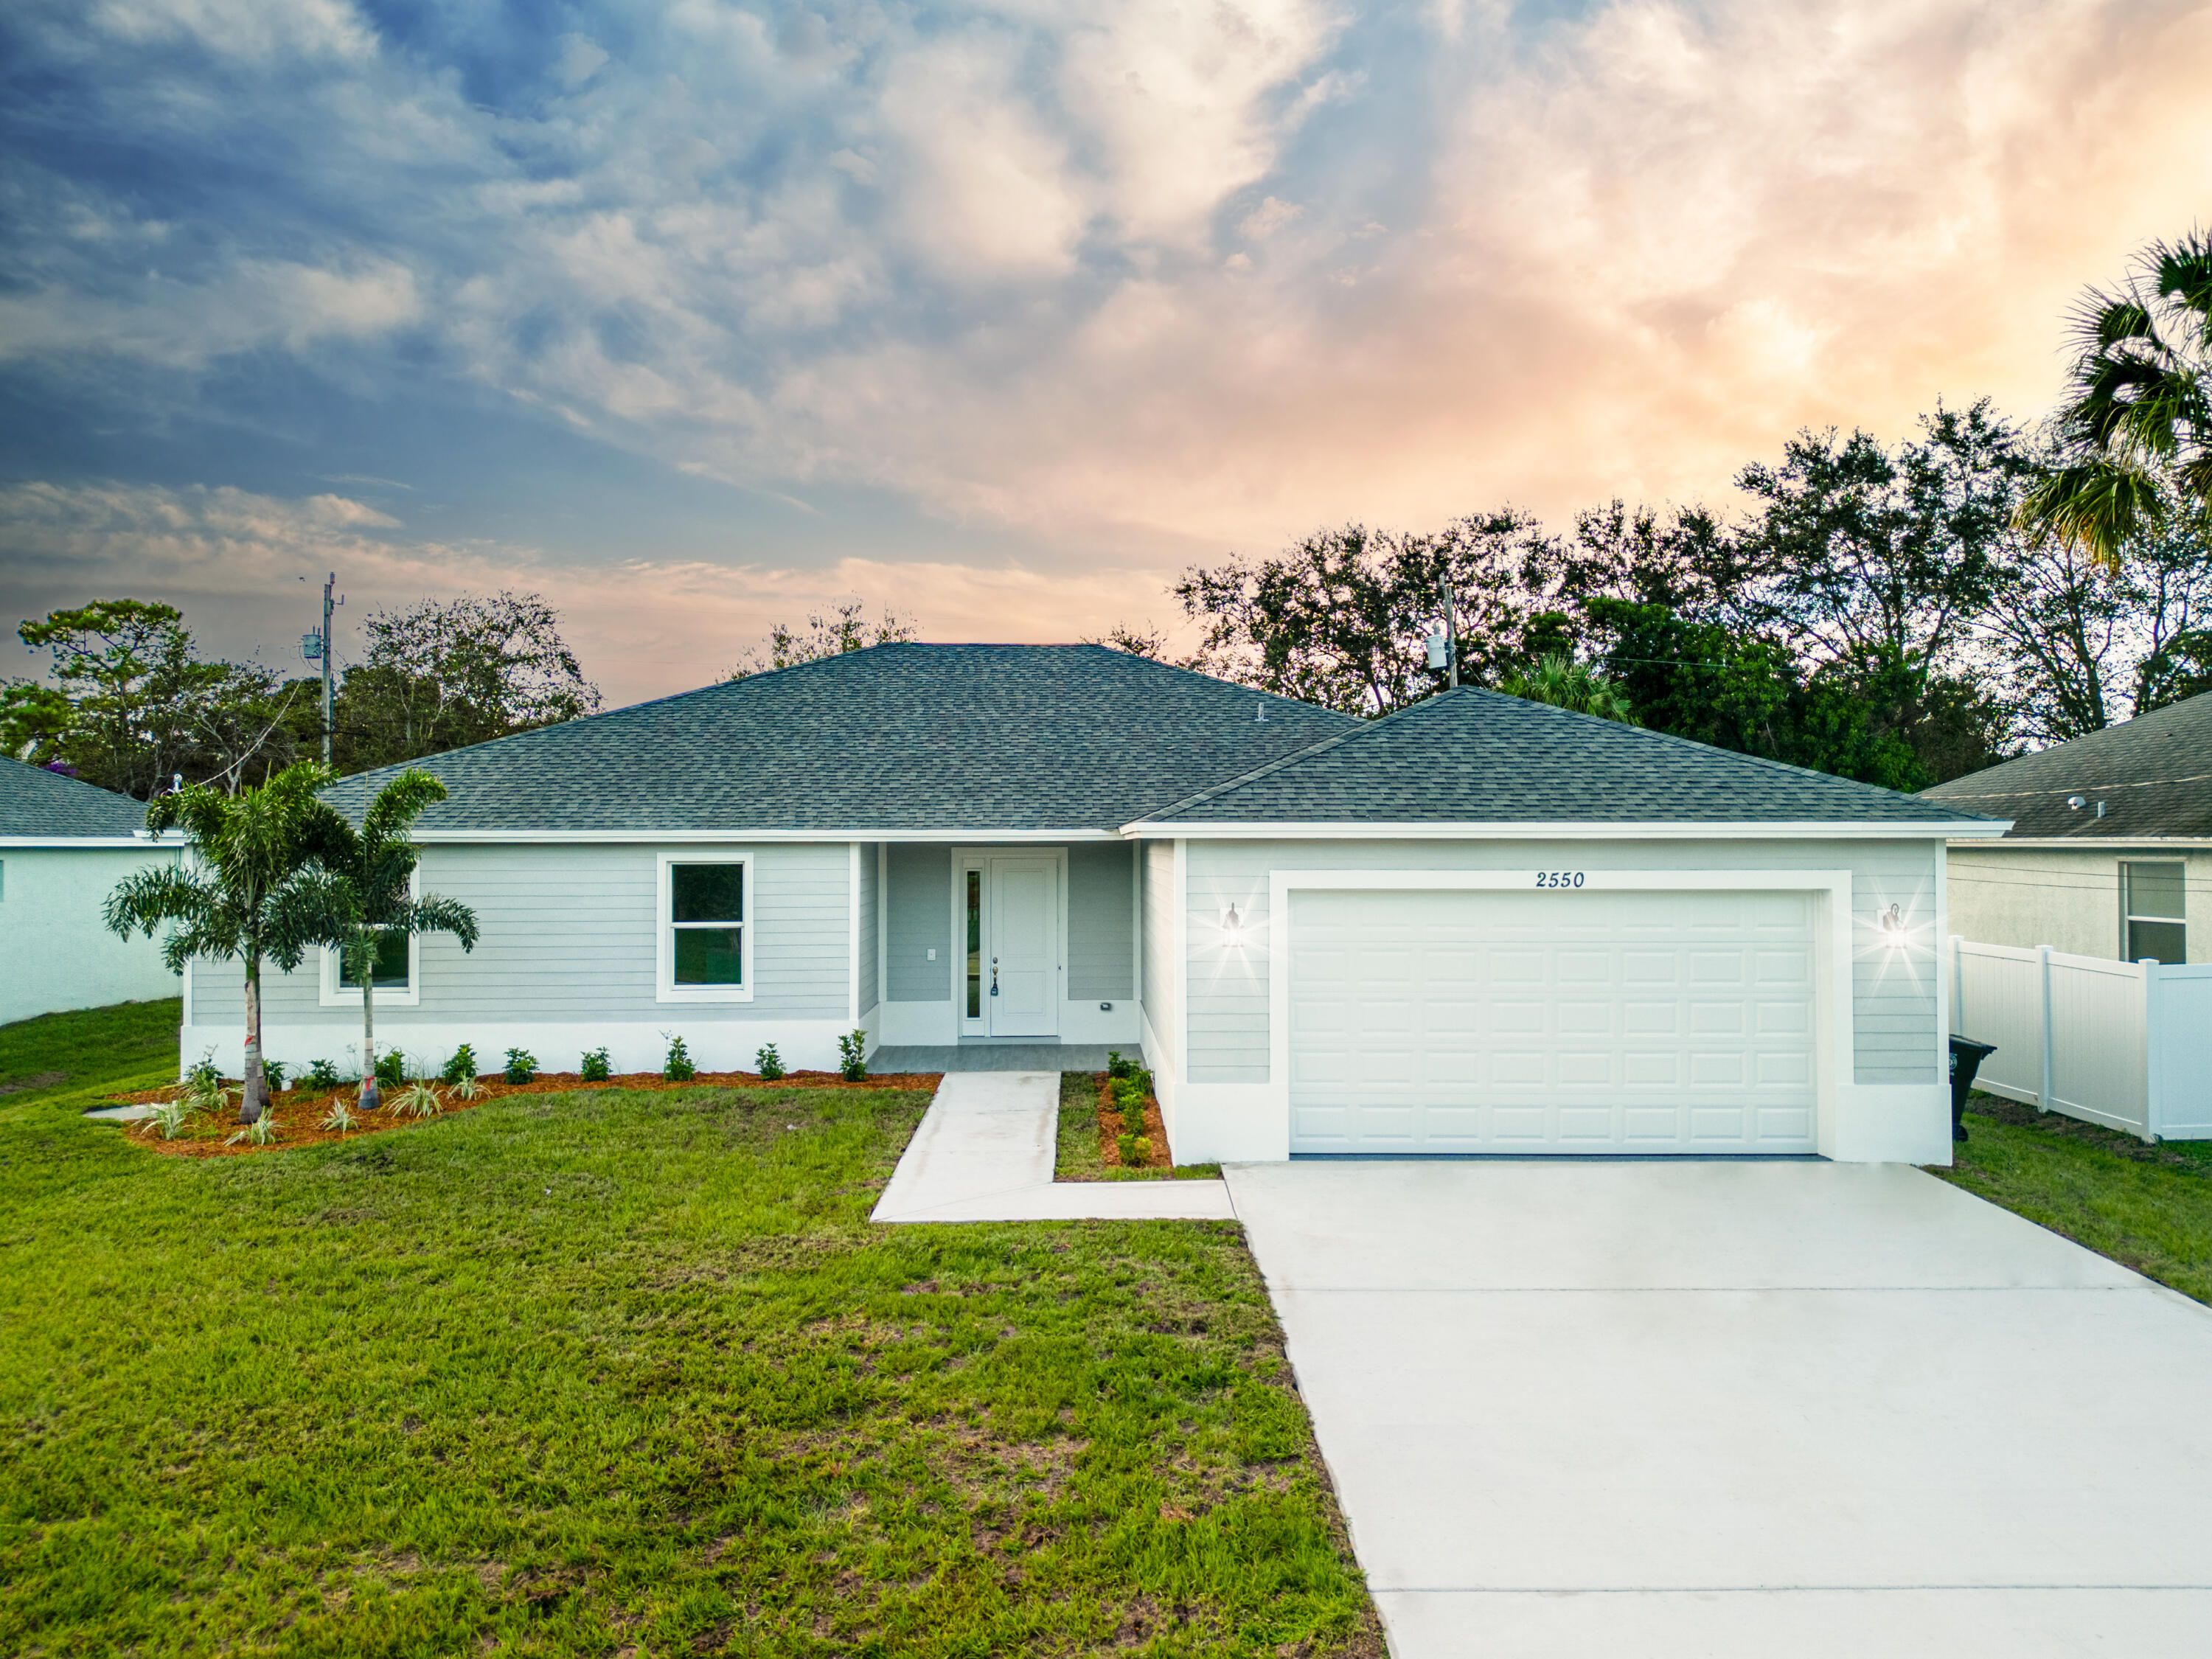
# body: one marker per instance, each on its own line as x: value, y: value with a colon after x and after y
x: 56, y: 953
x: 1894, y: 989
x: 2066, y: 897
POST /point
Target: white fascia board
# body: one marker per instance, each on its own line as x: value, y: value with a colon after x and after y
x: 757, y: 837
x: 1985, y: 843
x: 1574, y: 830
x: 136, y: 841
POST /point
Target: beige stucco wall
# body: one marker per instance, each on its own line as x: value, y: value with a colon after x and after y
x: 2066, y: 897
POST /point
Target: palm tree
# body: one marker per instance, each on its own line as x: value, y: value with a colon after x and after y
x: 2136, y: 430
x: 246, y: 893
x: 368, y: 901
x: 1560, y: 680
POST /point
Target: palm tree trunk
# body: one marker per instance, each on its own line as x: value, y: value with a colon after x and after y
x: 371, y: 1096
x: 253, y: 1099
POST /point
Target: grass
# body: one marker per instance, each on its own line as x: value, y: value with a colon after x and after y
x: 81, y: 1057
x: 620, y: 1373
x: 1076, y: 1154
x: 2147, y: 1207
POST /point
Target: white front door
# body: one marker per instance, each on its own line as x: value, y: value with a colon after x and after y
x: 1510, y: 1022
x: 1022, y: 996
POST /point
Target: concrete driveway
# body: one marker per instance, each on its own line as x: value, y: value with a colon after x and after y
x: 1614, y: 1410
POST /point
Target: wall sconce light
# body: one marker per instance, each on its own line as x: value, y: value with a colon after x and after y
x: 1232, y: 924
x: 1892, y: 923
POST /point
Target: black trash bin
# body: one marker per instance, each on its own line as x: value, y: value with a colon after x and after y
x: 1966, y: 1057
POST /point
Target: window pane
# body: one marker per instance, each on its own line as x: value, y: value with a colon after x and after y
x: 710, y: 955
x: 2155, y: 889
x: 707, y: 892
x: 2161, y: 940
x: 975, y: 945
x: 392, y: 961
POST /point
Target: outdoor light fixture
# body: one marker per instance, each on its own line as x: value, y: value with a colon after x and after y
x: 1232, y: 924
x: 1892, y: 923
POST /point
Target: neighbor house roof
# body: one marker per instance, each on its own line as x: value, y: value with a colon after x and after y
x: 894, y: 737
x: 1470, y: 756
x: 34, y: 802
x: 2153, y: 775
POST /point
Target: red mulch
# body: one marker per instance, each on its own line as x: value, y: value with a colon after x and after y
x: 1109, y: 1127
x: 299, y: 1112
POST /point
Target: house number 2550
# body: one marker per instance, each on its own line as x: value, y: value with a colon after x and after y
x: 1558, y: 878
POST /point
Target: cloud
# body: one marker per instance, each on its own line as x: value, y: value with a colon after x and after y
x: 1270, y: 217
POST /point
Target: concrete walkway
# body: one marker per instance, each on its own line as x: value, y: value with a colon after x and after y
x: 1739, y: 1410
x: 984, y: 1152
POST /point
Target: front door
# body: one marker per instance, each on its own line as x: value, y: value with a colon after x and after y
x: 1022, y: 933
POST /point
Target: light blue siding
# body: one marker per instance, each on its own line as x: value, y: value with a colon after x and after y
x: 919, y: 921
x: 869, y: 898
x: 1101, y: 950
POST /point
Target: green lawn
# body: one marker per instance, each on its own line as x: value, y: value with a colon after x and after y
x: 624, y: 1373
x: 1076, y: 1154
x: 2147, y: 1207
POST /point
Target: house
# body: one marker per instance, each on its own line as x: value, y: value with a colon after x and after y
x: 63, y: 845
x: 2110, y: 852
x: 1479, y: 925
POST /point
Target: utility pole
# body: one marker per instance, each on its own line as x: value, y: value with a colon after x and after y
x: 316, y: 647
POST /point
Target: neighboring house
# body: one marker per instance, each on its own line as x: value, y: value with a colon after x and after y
x: 63, y: 845
x: 1479, y: 926
x: 2110, y: 852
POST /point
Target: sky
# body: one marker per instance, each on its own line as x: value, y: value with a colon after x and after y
x: 696, y: 317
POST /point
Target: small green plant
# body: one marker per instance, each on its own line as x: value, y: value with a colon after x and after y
x: 1136, y: 1151
x: 341, y: 1116
x: 170, y: 1115
x: 276, y: 1072
x: 852, y: 1056
x: 598, y: 1068
x: 678, y: 1067
x: 768, y: 1063
x: 203, y: 1090
x: 419, y: 1099
x: 1116, y: 1066
x: 323, y: 1074
x: 204, y: 1069
x: 521, y: 1066
x: 466, y: 1088
x: 392, y: 1069
x: 262, y: 1132
x: 462, y: 1064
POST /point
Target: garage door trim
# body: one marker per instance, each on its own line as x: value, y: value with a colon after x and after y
x: 1832, y: 937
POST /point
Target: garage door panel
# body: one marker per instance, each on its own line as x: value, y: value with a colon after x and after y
x: 1456, y: 1021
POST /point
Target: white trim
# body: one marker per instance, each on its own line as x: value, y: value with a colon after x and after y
x: 852, y: 935
x: 765, y: 837
x: 1137, y: 924
x: 1832, y: 954
x: 666, y: 989
x: 883, y: 924
x: 142, y: 843
x: 1181, y: 1056
x: 1942, y: 979
x: 965, y: 858
x: 1570, y: 829
x: 332, y: 992
x: 2088, y: 843
x: 185, y: 1013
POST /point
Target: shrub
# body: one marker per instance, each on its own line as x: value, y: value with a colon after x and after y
x: 852, y: 1056
x: 598, y: 1068
x: 1116, y: 1066
x: 392, y: 1069
x: 262, y: 1132
x: 418, y: 1099
x: 276, y: 1070
x: 769, y: 1062
x: 323, y: 1074
x: 169, y: 1115
x: 521, y: 1066
x: 462, y: 1064
x: 467, y: 1088
x: 1129, y: 1098
x: 203, y: 1091
x: 342, y: 1115
x: 1126, y: 1145
x: 678, y: 1067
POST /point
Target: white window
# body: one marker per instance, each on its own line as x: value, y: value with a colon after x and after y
x: 706, y: 939
x: 2152, y: 904
x: 398, y: 976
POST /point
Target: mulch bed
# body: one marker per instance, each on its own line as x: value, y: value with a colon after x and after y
x: 299, y: 1112
x: 1109, y: 1127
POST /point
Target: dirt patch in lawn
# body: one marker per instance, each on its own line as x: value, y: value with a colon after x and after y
x: 2170, y: 1154
x: 16, y: 1085
x: 300, y: 1112
x: 1113, y: 1121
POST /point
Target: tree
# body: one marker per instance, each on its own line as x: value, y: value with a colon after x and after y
x: 1560, y: 680
x: 368, y: 904
x: 446, y: 673
x: 247, y: 892
x: 34, y: 722
x: 2134, y: 437
x: 847, y: 629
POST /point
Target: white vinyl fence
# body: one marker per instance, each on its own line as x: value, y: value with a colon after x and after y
x: 2126, y: 1044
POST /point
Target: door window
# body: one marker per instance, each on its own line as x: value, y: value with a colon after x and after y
x: 975, y: 945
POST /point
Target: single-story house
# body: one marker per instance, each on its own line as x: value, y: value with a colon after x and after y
x: 2110, y: 852
x: 1477, y: 925
x: 63, y: 845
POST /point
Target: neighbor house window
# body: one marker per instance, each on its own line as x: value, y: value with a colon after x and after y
x: 705, y: 944
x: 2152, y: 908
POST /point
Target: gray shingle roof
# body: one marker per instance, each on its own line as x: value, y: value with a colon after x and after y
x: 36, y: 802
x: 1482, y: 758
x: 899, y: 737
x: 2153, y: 774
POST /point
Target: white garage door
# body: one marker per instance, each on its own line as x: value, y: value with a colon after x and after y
x: 1548, y: 1022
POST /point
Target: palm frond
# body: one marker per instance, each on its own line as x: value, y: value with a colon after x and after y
x: 397, y: 805
x: 162, y: 893
x: 434, y: 914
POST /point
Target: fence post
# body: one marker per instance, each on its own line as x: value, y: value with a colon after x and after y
x: 2154, y: 1082
x: 2043, y: 964
x: 1959, y: 984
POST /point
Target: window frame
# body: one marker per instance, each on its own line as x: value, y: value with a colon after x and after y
x: 2129, y: 917
x: 336, y: 994
x: 665, y: 928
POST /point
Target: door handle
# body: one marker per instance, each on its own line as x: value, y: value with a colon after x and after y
x: 995, y: 976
